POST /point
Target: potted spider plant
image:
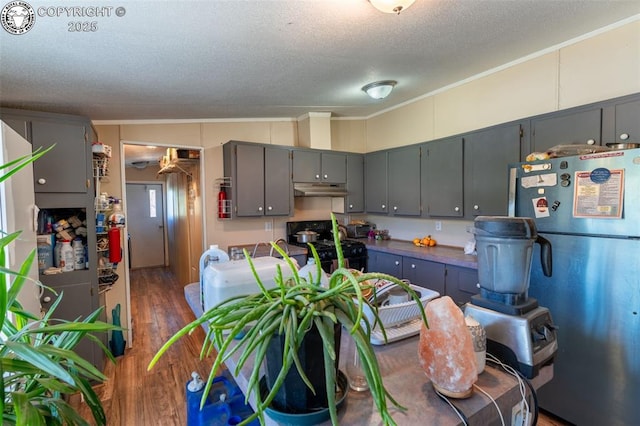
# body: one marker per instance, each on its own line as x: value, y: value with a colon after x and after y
x: 297, y: 308
x: 38, y: 365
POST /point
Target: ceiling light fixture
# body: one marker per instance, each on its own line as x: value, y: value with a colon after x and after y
x: 391, y: 6
x: 379, y: 89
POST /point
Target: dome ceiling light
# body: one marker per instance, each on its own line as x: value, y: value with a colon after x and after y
x: 379, y: 89
x: 391, y: 6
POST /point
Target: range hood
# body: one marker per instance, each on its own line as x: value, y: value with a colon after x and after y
x: 319, y: 190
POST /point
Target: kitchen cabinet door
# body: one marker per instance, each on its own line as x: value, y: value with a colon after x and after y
x: 487, y: 154
x: 385, y: 263
x: 78, y: 301
x: 627, y: 122
x: 278, y: 192
x: 404, y: 181
x: 375, y: 182
x: 441, y: 178
x: 315, y: 166
x: 424, y: 273
x: 574, y: 127
x: 67, y: 167
x: 248, y: 180
x: 354, y: 201
x: 20, y: 125
x: 461, y: 284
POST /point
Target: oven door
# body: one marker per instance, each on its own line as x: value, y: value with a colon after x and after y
x: 359, y: 263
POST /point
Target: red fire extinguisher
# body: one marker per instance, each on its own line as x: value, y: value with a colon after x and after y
x: 222, y: 204
x: 115, y: 253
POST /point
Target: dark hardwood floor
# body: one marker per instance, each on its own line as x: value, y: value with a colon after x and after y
x: 134, y: 396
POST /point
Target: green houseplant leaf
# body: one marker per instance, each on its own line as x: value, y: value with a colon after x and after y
x: 244, y: 325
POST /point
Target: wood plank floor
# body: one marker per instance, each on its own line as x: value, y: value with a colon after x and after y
x: 133, y: 396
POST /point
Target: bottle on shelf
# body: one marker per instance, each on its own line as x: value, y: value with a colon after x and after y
x: 66, y: 256
x: 116, y: 218
x: 78, y: 254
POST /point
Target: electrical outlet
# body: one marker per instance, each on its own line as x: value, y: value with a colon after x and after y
x: 438, y: 225
x: 267, y: 226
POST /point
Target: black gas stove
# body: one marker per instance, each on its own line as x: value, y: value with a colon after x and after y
x: 354, y: 251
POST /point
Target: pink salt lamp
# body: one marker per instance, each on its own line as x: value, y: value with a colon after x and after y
x: 446, y: 349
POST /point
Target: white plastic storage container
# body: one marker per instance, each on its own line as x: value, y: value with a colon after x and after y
x: 222, y: 281
x: 212, y: 255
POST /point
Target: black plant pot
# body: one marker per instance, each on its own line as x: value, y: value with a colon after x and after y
x: 294, y: 396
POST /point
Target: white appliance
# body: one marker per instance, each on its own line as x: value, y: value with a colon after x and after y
x: 19, y: 212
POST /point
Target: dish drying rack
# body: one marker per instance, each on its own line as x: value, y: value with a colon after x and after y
x: 400, y: 320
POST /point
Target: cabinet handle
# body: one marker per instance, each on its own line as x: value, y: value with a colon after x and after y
x: 476, y: 207
x: 591, y: 141
x: 624, y: 136
x: 260, y: 208
x: 326, y: 176
x: 384, y: 206
x: 46, y: 299
x: 395, y: 208
x: 397, y: 262
x: 456, y: 209
x: 317, y: 176
x: 351, y: 206
x: 42, y: 181
x: 477, y: 285
x: 269, y: 208
x: 413, y: 266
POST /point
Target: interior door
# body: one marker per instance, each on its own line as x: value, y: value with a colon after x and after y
x: 145, y: 216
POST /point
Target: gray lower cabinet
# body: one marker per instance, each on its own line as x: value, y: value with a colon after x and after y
x: 385, y: 263
x: 424, y: 273
x: 404, y: 181
x: 354, y: 201
x: 375, y: 182
x: 461, y: 283
x: 441, y: 178
x: 260, y: 179
x: 564, y: 128
x: 487, y: 154
x: 316, y: 166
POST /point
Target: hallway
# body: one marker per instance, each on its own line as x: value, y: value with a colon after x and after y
x: 134, y: 396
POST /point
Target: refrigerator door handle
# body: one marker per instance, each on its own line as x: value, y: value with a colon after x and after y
x: 545, y: 255
x: 513, y: 178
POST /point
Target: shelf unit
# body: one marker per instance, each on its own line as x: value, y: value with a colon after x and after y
x: 106, y: 269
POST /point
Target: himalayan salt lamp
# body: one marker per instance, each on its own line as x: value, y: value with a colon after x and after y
x: 446, y: 350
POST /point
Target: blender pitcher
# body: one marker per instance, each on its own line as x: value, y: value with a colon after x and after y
x: 505, y: 249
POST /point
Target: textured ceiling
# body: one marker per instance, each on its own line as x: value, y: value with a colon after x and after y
x: 272, y: 58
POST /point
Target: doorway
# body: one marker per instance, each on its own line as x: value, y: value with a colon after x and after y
x: 146, y: 224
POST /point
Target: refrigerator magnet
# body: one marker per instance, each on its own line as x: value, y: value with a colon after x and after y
x: 540, y: 207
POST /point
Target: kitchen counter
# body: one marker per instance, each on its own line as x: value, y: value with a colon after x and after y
x: 407, y: 383
x: 441, y: 254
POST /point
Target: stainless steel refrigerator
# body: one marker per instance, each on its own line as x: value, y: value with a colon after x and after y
x: 588, y: 207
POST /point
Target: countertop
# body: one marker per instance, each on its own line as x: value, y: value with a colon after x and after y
x: 442, y: 254
x: 406, y: 382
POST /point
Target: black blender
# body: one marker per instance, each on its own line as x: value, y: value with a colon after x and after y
x: 519, y: 332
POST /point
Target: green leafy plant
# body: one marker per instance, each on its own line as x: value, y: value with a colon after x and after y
x: 290, y: 309
x: 38, y: 365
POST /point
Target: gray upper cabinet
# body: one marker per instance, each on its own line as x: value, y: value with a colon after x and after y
x: 487, y: 154
x: 260, y: 179
x: 375, y: 182
x: 627, y: 122
x: 442, y: 178
x: 354, y: 201
x: 573, y: 127
x: 64, y: 168
x: 404, y: 181
x: 316, y: 166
